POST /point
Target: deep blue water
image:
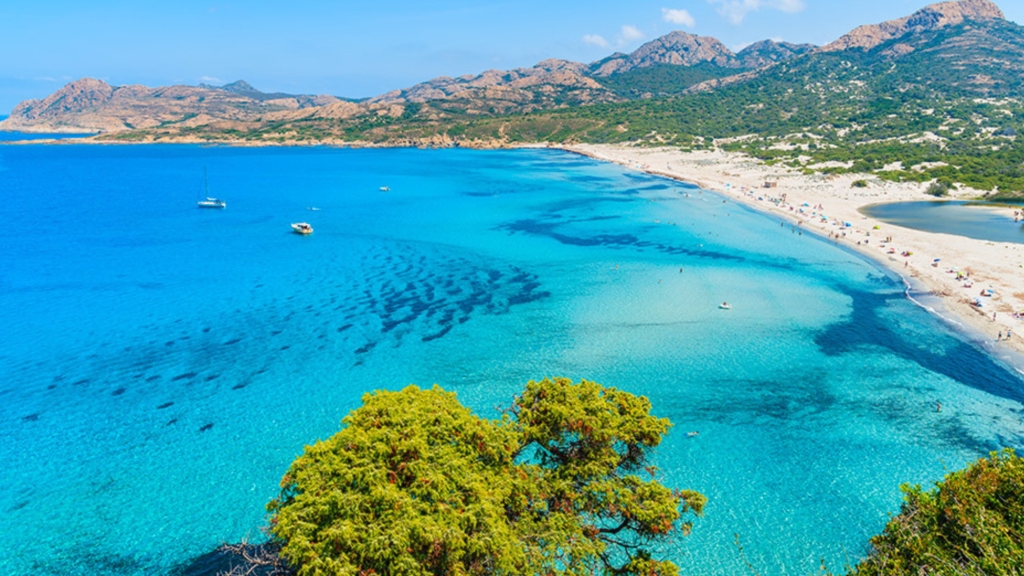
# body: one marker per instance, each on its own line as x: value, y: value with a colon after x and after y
x: 161, y: 365
x: 969, y: 219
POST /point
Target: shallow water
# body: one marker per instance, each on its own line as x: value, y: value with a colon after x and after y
x: 162, y: 365
x: 952, y: 217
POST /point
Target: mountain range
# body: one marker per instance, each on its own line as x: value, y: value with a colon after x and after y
x: 961, y: 48
x: 93, y: 105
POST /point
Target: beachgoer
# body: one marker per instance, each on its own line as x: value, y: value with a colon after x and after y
x: 938, y: 406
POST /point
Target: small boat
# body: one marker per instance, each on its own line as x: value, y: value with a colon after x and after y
x: 302, y: 228
x: 692, y: 434
x: 385, y: 189
x: 725, y: 306
x: 210, y: 202
x: 312, y: 208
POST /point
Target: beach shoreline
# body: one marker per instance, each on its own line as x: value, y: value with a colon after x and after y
x: 825, y: 205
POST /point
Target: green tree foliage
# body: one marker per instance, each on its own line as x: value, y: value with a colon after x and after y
x: 939, y: 188
x: 972, y: 524
x: 414, y: 483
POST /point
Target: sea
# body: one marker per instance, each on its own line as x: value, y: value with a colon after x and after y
x: 161, y: 365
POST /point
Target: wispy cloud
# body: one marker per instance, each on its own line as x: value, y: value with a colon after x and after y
x: 678, y: 16
x: 595, y: 40
x: 630, y: 34
x: 44, y: 79
x: 736, y: 10
x: 210, y: 80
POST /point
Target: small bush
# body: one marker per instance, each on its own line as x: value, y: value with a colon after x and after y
x: 939, y: 188
x: 859, y: 184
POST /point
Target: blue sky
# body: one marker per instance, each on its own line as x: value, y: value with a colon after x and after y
x: 360, y: 49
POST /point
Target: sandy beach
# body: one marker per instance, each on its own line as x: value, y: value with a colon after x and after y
x: 824, y: 205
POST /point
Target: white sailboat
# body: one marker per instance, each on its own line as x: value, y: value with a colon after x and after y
x: 210, y: 201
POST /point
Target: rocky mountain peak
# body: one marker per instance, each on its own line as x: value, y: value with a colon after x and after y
x: 239, y: 87
x: 767, y: 52
x: 930, y: 17
x: 678, y: 48
x: 74, y: 97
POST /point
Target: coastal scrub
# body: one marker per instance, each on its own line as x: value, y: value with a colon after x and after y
x: 972, y: 523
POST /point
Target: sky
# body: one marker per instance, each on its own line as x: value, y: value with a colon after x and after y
x: 345, y: 48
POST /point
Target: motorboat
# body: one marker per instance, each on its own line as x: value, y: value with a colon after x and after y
x: 725, y: 306
x: 302, y: 228
x: 385, y: 189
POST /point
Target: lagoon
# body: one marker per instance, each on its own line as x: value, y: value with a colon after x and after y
x: 993, y: 223
x: 162, y: 365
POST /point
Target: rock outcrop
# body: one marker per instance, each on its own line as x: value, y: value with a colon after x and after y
x: 768, y: 52
x: 677, y: 48
x: 931, y: 17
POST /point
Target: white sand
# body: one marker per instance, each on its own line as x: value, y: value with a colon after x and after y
x: 999, y: 266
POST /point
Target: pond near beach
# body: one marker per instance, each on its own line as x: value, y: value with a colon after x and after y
x: 992, y: 222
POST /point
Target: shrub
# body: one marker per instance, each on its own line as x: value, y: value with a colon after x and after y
x: 971, y: 524
x: 939, y: 188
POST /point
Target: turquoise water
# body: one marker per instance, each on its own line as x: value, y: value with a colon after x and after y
x: 952, y: 217
x: 162, y: 365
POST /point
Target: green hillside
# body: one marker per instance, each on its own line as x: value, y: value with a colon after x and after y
x: 663, y: 79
